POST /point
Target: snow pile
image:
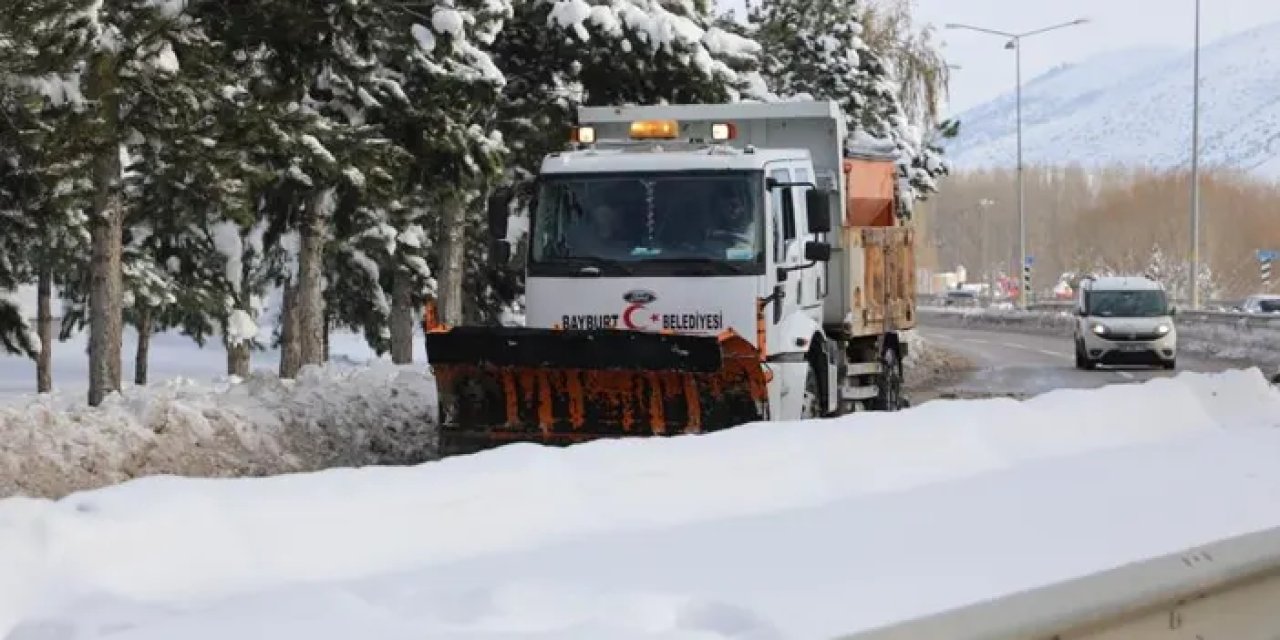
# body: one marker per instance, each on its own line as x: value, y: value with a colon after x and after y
x: 378, y: 414
x: 765, y: 531
x: 927, y: 363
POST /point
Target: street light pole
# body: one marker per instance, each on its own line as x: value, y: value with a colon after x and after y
x: 1015, y: 43
x: 1195, y: 171
x: 1025, y: 287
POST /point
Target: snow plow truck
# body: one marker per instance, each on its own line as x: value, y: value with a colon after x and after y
x: 690, y: 268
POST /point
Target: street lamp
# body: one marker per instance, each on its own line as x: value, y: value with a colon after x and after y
x: 1015, y: 43
x: 1195, y: 171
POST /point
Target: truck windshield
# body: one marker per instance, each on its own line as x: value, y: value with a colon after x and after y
x: 1128, y: 304
x: 649, y: 224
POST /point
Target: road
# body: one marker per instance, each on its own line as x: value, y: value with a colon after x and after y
x: 1021, y: 365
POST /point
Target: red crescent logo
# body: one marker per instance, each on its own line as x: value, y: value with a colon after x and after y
x: 626, y: 315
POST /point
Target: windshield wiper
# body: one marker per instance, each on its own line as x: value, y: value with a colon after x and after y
x: 716, y: 265
x: 594, y: 266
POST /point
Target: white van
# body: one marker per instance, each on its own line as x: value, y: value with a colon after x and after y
x: 1124, y: 321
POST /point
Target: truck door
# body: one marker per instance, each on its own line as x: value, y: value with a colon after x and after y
x: 810, y: 281
x: 784, y: 236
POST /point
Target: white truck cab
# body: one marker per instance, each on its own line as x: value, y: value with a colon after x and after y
x: 1124, y: 320
x: 691, y: 268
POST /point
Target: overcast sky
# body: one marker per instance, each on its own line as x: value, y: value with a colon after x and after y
x: 987, y: 69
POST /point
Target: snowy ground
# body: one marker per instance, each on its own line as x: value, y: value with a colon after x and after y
x: 792, y: 530
x: 195, y: 422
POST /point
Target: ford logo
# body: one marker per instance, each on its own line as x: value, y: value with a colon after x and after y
x: 639, y: 296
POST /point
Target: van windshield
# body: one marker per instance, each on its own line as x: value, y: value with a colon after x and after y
x: 1128, y: 304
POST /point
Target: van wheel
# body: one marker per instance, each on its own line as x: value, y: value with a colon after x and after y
x: 1170, y: 365
x: 1083, y: 362
x: 811, y: 406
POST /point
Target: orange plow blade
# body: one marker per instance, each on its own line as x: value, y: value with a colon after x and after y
x: 501, y: 385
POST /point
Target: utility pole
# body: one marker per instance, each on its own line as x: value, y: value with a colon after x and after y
x: 1195, y: 171
x: 984, y: 208
x: 1015, y: 43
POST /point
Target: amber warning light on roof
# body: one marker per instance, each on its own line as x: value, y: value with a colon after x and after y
x: 655, y: 129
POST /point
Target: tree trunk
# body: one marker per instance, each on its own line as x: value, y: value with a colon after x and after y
x: 452, y: 263
x: 106, y: 232
x: 290, y: 356
x: 327, y: 323
x: 401, y: 317
x: 310, y: 294
x: 238, y: 360
x: 44, y: 326
x: 144, y: 346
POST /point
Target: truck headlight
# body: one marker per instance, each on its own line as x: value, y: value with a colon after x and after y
x: 1162, y: 329
x: 1099, y: 329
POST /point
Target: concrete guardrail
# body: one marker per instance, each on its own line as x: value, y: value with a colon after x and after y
x: 1226, y: 589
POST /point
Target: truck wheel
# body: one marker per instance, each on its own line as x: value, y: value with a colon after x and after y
x: 811, y: 407
x: 890, y: 382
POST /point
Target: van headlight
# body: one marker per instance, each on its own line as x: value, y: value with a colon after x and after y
x: 1099, y: 329
x: 1162, y: 329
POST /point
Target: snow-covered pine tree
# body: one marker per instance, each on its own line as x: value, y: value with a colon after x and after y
x: 435, y: 98
x: 114, y: 54
x: 44, y: 186
x: 559, y: 54
x: 21, y: 192
x: 327, y: 160
x: 815, y: 49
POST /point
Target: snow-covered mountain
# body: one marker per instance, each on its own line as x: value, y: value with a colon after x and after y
x: 1134, y: 107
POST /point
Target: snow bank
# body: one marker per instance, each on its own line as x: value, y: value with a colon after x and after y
x: 1224, y: 336
x: 378, y: 414
x: 765, y: 531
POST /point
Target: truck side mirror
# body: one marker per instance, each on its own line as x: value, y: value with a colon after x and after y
x: 818, y: 204
x: 817, y: 251
x: 499, y: 205
x: 501, y: 253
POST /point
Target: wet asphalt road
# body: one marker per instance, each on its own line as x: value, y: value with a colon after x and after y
x: 1021, y: 365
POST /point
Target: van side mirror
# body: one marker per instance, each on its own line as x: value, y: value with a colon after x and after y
x: 818, y: 205
x: 1081, y: 312
x: 499, y: 206
x: 817, y: 251
x: 1173, y: 311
